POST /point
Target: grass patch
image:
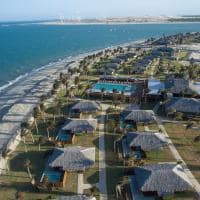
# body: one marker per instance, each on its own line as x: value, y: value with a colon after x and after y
x: 184, y: 141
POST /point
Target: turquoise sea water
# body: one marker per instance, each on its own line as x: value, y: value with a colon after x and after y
x: 24, y: 47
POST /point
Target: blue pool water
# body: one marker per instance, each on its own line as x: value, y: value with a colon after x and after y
x: 64, y: 137
x: 54, y: 176
x: 109, y: 87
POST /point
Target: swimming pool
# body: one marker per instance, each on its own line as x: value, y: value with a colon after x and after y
x: 109, y: 87
x: 64, y: 137
x: 53, y: 176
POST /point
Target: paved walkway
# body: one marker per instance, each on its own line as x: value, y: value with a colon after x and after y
x: 102, y: 163
x: 156, y: 107
x: 177, y: 156
x: 81, y: 185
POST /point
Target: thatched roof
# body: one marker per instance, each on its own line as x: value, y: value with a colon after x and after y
x: 75, y: 197
x: 146, y: 140
x: 80, y: 125
x: 178, y: 85
x: 72, y: 158
x: 140, y: 116
x: 184, y: 105
x: 86, y: 106
x: 129, y: 109
x: 162, y: 178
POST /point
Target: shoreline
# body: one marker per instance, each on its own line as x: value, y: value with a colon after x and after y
x: 56, y: 23
x: 63, y: 61
x: 18, y: 100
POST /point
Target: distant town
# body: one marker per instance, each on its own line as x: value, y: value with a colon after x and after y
x: 145, y: 19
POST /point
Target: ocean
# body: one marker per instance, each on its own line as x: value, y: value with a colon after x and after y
x: 26, y: 47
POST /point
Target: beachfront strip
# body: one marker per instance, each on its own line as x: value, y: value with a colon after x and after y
x: 121, y: 123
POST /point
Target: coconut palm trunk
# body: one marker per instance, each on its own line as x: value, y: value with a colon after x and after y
x: 27, y: 165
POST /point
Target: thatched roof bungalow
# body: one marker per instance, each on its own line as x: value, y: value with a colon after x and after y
x: 65, y: 160
x: 183, y: 105
x: 128, y: 110
x: 78, y: 126
x: 178, y: 86
x: 161, y: 179
x: 137, y: 116
x: 72, y: 159
x: 143, y: 141
x: 85, y: 107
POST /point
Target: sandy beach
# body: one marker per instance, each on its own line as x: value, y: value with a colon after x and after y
x: 18, y: 100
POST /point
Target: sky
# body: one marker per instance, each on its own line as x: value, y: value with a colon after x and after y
x: 50, y: 9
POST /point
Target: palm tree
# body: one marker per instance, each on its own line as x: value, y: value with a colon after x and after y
x: 102, y: 93
x: 66, y: 87
x: 189, y: 125
x: 114, y: 100
x: 42, y: 109
x: 49, y: 126
x: 43, y: 98
x: 23, y: 136
x: 85, y: 69
x: 20, y: 195
x: 58, y: 106
x: 35, y: 115
x: 26, y: 127
x: 76, y: 80
x: 61, y: 76
x: 79, y: 88
x: 46, y: 184
x: 27, y: 166
x: 54, y: 112
x: 41, y: 141
x: 67, y: 94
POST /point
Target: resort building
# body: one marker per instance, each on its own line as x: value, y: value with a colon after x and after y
x: 130, y: 88
x: 187, y: 106
x: 158, y: 180
x: 79, y: 126
x: 194, y: 56
x: 126, y: 56
x: 75, y: 127
x: 155, y: 88
x: 128, y: 110
x: 135, y: 144
x: 66, y: 160
x: 139, y: 116
x: 178, y: 87
x: 85, y: 109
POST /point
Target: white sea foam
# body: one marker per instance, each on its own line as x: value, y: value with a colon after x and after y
x: 63, y: 61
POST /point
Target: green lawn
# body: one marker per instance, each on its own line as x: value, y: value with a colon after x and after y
x: 17, y: 180
x: 184, y: 141
x: 114, y: 167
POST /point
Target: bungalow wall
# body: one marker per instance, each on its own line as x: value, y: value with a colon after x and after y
x: 64, y: 182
